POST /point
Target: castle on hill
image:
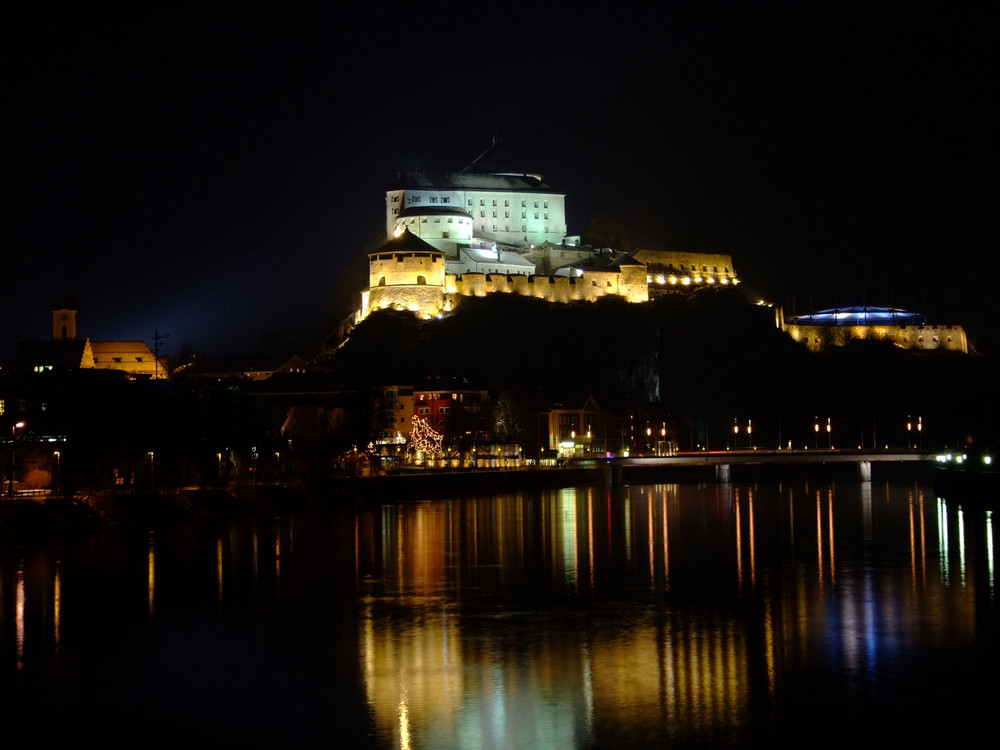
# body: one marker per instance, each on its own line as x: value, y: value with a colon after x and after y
x: 474, y: 233
x: 469, y: 234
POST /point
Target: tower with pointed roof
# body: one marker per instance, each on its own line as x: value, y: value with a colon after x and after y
x: 64, y: 316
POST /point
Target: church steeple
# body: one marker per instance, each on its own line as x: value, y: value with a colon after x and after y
x: 64, y: 315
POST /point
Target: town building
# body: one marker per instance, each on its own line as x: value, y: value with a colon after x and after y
x: 66, y: 352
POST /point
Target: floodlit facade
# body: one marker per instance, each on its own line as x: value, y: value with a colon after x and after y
x: 448, y: 209
x: 840, y: 326
x: 407, y: 273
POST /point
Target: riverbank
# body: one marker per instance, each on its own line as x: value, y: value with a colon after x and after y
x: 40, y: 517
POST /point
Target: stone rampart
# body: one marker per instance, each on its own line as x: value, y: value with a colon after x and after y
x: 927, y: 338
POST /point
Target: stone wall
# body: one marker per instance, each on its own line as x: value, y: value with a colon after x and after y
x: 928, y: 338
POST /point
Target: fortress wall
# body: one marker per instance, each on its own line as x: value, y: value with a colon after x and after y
x: 425, y: 300
x: 925, y: 338
x: 404, y: 268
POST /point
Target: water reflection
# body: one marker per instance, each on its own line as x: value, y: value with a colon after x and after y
x: 719, y: 615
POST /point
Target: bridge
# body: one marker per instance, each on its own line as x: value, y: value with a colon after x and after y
x: 614, y: 466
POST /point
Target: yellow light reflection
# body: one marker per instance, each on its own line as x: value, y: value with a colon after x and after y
x: 19, y: 613
x: 150, y: 573
x: 218, y: 571
x: 57, y: 605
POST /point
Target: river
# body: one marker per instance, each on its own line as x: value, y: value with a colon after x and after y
x: 814, y: 613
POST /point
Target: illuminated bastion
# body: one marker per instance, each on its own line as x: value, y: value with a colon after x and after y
x: 840, y: 326
x: 407, y: 273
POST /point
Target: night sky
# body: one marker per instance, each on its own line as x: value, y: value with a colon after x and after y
x: 211, y: 176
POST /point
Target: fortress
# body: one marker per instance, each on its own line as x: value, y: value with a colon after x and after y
x: 470, y: 234
x: 459, y: 235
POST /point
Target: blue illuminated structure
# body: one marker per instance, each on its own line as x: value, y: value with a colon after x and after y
x: 859, y: 316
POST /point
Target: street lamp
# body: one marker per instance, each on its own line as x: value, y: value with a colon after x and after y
x: 13, y: 454
x: 55, y: 484
x: 816, y: 431
x: 152, y: 471
x: 829, y: 434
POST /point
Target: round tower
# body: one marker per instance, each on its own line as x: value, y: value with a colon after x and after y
x: 406, y: 273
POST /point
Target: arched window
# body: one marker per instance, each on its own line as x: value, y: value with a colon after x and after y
x: 381, y: 281
x: 421, y: 281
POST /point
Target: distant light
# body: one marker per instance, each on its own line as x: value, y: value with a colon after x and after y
x: 397, y: 231
x: 987, y: 460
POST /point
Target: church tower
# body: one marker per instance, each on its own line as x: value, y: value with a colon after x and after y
x: 64, y: 316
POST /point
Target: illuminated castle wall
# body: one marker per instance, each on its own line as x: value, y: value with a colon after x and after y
x: 841, y: 326
x: 666, y: 270
x: 409, y: 274
x: 930, y: 338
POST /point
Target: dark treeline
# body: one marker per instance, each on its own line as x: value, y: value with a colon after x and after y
x: 710, y: 359
x: 703, y: 363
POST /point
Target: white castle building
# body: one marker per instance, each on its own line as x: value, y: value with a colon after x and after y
x: 459, y: 234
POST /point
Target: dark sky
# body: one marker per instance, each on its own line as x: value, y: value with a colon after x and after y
x: 210, y: 176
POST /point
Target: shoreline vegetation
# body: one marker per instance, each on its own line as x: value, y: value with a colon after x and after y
x: 47, y: 516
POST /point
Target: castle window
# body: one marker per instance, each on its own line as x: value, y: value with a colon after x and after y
x: 523, y: 204
x: 449, y: 221
x: 494, y: 214
x: 482, y: 214
x: 421, y: 281
x: 482, y: 202
x: 546, y: 217
x: 494, y: 201
x: 506, y: 214
x: 381, y: 281
x: 446, y: 199
x: 434, y: 199
x: 536, y: 204
x: 506, y: 202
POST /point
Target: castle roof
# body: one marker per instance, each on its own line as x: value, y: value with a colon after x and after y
x: 864, y: 315
x: 407, y: 242
x: 495, y: 181
x: 433, y: 211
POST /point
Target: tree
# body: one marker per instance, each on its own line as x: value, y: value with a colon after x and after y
x: 606, y: 231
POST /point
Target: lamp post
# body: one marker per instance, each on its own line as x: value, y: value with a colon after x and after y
x: 909, y: 429
x: 829, y: 434
x: 55, y: 483
x: 13, y: 454
x: 816, y: 433
x: 152, y: 470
